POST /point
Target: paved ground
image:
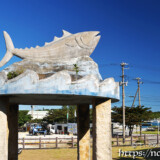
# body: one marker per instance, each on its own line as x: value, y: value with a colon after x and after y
x: 47, y: 141
x: 26, y: 135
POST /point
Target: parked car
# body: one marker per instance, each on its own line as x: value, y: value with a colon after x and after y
x: 150, y: 129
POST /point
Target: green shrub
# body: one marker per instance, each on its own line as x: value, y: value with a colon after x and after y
x: 14, y: 74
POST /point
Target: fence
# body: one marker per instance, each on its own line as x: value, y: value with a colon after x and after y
x: 40, y: 143
x: 136, y: 140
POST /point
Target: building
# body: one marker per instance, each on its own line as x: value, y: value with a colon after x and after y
x: 38, y: 114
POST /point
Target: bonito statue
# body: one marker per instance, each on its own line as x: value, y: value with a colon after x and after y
x: 63, y: 66
x: 66, y: 47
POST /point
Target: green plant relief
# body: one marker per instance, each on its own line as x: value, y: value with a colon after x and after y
x: 76, y: 69
x: 14, y: 74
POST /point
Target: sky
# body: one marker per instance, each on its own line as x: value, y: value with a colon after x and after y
x: 129, y: 29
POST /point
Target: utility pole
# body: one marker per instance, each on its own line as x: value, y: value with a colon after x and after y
x: 134, y: 98
x: 139, y: 82
x: 137, y: 92
x: 32, y: 110
x: 67, y: 114
x: 123, y: 83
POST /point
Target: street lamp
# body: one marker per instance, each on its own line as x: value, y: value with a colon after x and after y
x: 158, y: 126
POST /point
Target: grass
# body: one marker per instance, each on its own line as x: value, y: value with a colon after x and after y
x: 71, y: 154
x: 48, y: 154
x: 148, y: 132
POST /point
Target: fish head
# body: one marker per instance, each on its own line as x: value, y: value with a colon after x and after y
x: 88, y: 39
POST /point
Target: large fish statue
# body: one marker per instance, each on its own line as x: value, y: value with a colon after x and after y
x: 66, y: 47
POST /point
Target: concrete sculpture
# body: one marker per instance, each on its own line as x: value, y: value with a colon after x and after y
x: 49, y: 69
x: 67, y: 46
x: 59, y: 73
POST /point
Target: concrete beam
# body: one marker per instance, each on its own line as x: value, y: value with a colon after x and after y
x: 102, y: 146
x: 83, y: 132
x: 8, y: 130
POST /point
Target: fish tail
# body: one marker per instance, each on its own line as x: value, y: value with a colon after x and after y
x: 9, y: 48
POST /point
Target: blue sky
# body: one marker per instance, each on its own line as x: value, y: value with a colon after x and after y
x: 130, y: 32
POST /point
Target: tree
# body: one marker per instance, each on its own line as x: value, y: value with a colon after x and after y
x: 133, y: 116
x: 57, y: 115
x: 50, y: 116
x: 36, y: 120
x: 23, y: 118
x: 155, y: 115
x: 60, y: 115
x: 71, y: 111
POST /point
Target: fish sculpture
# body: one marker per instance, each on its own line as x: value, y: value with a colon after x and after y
x: 66, y: 47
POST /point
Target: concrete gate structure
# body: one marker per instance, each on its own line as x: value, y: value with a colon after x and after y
x: 47, y: 76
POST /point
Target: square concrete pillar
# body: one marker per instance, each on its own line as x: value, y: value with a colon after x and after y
x: 12, y: 116
x: 3, y: 129
x: 83, y: 132
x: 8, y: 130
x: 102, y: 140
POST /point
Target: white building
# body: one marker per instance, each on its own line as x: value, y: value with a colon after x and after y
x: 38, y: 114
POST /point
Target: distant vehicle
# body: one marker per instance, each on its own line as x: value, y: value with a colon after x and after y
x: 30, y: 126
x: 67, y: 128
x: 48, y: 129
x: 44, y: 128
x: 147, y: 124
x: 150, y: 129
x: 51, y: 129
x: 37, y: 130
x: 61, y: 128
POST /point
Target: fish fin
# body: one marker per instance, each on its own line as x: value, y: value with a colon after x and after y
x: 8, y: 40
x: 56, y: 38
x: 46, y: 43
x: 65, y: 33
x: 9, y: 48
x: 6, y: 58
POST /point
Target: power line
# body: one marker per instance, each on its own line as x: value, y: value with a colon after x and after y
x: 151, y: 101
x: 150, y: 96
x: 146, y: 81
x: 150, y: 81
x: 143, y: 67
x: 109, y: 64
x: 129, y: 78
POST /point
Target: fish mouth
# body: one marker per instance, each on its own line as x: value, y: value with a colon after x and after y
x: 97, y: 35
